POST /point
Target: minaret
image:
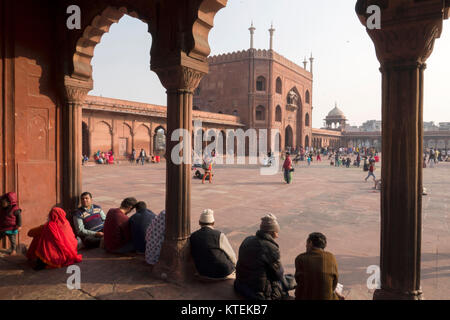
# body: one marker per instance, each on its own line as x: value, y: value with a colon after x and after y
x: 311, y: 60
x: 252, y: 32
x: 271, y: 31
x: 305, y: 63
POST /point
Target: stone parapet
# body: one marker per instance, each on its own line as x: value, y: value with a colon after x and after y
x: 157, y: 111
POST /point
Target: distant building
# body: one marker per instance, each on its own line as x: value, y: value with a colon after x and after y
x: 263, y: 88
x: 337, y: 134
x: 371, y: 126
x: 430, y: 126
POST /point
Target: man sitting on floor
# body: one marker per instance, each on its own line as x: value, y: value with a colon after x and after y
x: 213, y: 255
x: 259, y: 272
x: 88, y: 222
x: 316, y: 271
x: 117, y: 228
x: 139, y: 224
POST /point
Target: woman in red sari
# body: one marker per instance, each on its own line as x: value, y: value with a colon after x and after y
x: 54, y: 244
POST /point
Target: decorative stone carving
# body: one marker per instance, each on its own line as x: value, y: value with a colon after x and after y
x: 76, y: 90
x: 292, y: 98
x: 180, y: 78
x: 409, y: 29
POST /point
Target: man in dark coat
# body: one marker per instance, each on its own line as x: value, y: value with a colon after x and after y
x: 316, y: 271
x: 259, y: 273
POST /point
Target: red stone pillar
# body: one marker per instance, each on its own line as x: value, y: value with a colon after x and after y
x: 180, y: 82
x: 403, y: 44
x: 76, y: 92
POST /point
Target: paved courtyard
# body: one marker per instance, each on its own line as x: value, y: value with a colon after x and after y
x: 334, y: 201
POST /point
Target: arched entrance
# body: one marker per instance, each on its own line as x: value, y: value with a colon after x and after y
x: 288, y: 138
x: 159, y: 141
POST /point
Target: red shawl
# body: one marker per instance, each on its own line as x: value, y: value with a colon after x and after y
x: 57, y: 245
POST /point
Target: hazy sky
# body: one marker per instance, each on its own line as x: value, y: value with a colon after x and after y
x: 345, y: 68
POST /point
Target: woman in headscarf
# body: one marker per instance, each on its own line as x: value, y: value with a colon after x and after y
x: 54, y: 244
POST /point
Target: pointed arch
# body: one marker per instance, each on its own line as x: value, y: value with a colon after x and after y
x: 260, y: 83
x: 279, y: 86
x: 278, y: 114
x: 307, y: 97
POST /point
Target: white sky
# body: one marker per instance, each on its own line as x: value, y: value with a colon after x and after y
x: 345, y: 68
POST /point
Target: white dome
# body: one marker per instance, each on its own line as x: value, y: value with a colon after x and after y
x: 336, y: 113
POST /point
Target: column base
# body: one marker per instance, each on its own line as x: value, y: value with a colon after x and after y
x: 383, y: 294
x: 175, y: 262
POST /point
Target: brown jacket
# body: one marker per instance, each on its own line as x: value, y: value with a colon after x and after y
x: 316, y: 274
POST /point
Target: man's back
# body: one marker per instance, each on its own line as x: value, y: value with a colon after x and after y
x: 139, y: 224
x: 259, y: 264
x: 316, y: 275
x: 210, y: 259
x: 116, y: 230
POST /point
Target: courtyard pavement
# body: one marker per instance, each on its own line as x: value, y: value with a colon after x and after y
x: 334, y: 201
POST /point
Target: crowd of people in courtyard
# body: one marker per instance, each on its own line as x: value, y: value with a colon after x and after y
x: 257, y: 270
x: 108, y: 157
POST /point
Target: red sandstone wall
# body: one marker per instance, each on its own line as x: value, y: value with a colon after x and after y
x: 36, y: 117
x: 226, y: 88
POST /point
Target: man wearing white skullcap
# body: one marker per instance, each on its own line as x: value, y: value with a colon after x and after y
x: 213, y: 255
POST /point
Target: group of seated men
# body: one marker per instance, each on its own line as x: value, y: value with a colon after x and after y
x: 257, y: 271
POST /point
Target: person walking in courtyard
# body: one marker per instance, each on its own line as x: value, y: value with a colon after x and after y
x: 259, y: 272
x: 287, y: 168
x: 142, y: 156
x: 213, y: 255
x: 117, y: 233
x: 316, y: 271
x: 309, y: 159
x: 207, y: 166
x: 133, y: 156
x: 88, y: 222
x: 371, y: 170
x: 54, y: 244
x: 10, y: 220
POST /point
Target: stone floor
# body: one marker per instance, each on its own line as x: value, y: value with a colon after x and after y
x: 334, y: 201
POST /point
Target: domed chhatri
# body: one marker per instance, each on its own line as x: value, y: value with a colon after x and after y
x: 336, y: 113
x: 335, y: 119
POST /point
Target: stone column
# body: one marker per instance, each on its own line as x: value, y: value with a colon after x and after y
x: 180, y: 82
x: 403, y: 44
x: 75, y: 91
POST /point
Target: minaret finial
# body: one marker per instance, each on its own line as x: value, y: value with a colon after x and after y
x: 311, y: 60
x: 252, y: 32
x: 271, y: 31
x: 305, y: 63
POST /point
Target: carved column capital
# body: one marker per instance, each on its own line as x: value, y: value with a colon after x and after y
x: 76, y: 90
x: 179, y: 77
x: 408, y: 30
